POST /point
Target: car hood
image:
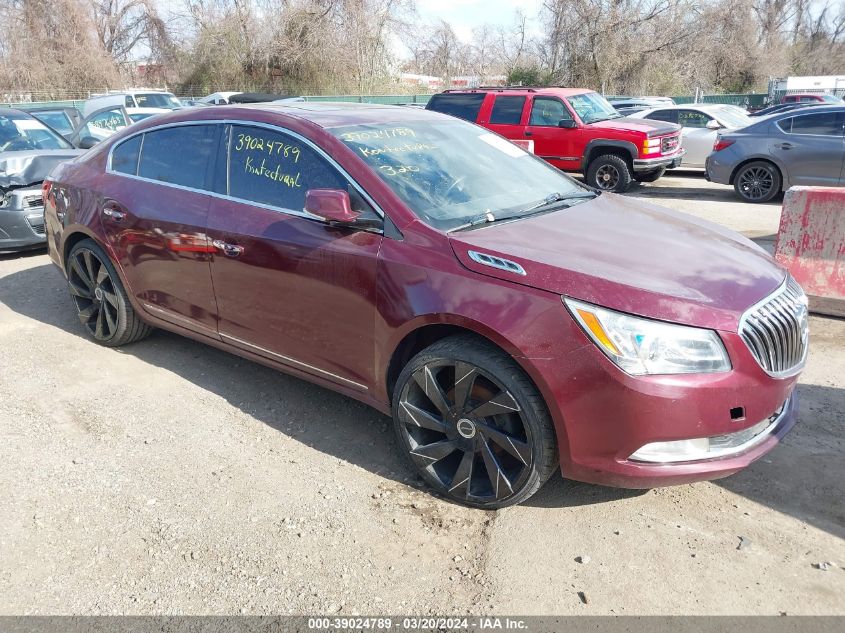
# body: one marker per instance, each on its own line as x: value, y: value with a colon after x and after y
x: 633, y: 124
x: 31, y: 166
x: 631, y: 256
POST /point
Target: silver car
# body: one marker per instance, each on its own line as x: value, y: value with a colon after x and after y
x: 28, y: 152
x: 700, y: 123
x: 799, y: 147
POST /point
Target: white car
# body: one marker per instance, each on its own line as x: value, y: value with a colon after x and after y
x: 700, y: 124
x: 139, y: 103
x: 219, y: 98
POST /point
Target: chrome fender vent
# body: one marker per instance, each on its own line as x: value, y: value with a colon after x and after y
x: 496, y: 262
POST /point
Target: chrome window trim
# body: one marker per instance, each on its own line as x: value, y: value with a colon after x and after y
x: 796, y: 369
x: 276, y: 128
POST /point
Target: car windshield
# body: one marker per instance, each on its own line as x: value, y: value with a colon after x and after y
x: 732, y: 118
x: 157, y: 100
x: 21, y: 132
x: 449, y: 172
x: 832, y: 98
x: 592, y: 107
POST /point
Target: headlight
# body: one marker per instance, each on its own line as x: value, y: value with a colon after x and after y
x: 642, y: 346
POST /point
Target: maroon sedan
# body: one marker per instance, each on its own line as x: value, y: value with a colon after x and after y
x: 510, y: 320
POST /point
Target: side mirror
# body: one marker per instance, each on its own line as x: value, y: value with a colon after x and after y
x: 713, y: 124
x: 88, y: 142
x: 331, y: 205
x: 566, y: 123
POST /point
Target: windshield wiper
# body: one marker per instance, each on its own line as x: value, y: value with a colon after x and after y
x: 546, y: 204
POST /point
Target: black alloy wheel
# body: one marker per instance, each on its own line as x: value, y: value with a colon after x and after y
x: 757, y: 182
x: 100, y: 300
x: 473, y: 437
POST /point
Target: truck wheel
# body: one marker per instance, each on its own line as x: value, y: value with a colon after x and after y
x: 650, y: 176
x: 609, y: 172
x: 758, y: 181
x: 473, y: 425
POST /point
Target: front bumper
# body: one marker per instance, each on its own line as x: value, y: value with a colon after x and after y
x: 22, y: 220
x: 650, y: 164
x: 603, y: 416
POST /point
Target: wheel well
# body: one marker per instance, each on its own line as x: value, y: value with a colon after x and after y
x: 70, y: 241
x: 417, y: 341
x: 601, y: 150
x: 755, y: 160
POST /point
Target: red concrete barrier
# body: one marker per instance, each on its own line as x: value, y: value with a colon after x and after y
x: 811, y: 244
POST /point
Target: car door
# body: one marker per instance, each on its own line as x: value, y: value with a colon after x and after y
x: 99, y: 125
x: 558, y: 145
x: 291, y: 287
x: 154, y: 210
x: 811, y: 147
x: 698, y: 140
x: 506, y: 116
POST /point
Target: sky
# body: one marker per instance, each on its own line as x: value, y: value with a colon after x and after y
x: 465, y: 15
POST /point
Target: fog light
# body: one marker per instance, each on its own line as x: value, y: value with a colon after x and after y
x: 677, y: 451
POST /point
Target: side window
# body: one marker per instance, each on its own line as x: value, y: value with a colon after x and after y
x: 128, y: 102
x: 124, y: 157
x: 670, y: 116
x: 691, y: 118
x: 270, y: 167
x: 462, y: 105
x: 547, y: 111
x: 821, y: 124
x: 507, y: 110
x: 178, y: 155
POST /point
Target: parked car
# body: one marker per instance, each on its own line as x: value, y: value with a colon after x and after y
x: 811, y: 97
x: 629, y: 105
x: 219, y: 98
x: 799, y: 147
x: 784, y: 107
x: 700, y: 124
x: 139, y: 104
x: 573, y: 129
x: 29, y: 150
x: 491, y: 304
x: 62, y: 119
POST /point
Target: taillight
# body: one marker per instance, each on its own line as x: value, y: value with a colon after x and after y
x: 722, y: 143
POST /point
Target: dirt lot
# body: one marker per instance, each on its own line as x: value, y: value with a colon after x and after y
x: 168, y: 477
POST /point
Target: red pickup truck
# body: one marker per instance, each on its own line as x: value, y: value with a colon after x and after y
x: 574, y: 130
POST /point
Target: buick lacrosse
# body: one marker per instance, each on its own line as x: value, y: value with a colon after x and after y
x: 511, y: 321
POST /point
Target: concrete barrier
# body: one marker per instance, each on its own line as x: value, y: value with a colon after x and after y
x: 811, y: 244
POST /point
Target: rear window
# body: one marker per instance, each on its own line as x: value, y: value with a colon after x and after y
x: 507, y: 110
x: 462, y: 105
x: 821, y: 124
x: 178, y: 155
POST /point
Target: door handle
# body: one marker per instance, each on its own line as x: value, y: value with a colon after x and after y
x: 229, y: 250
x: 529, y: 133
x: 113, y: 211
x: 784, y: 145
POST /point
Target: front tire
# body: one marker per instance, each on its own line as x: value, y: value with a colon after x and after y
x: 100, y: 299
x: 609, y: 172
x: 758, y: 181
x: 473, y: 425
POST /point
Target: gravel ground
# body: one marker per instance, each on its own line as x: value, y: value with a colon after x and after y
x: 169, y: 477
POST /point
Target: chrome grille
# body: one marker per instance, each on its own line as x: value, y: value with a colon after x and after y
x: 776, y: 330
x: 669, y: 144
x: 34, y: 201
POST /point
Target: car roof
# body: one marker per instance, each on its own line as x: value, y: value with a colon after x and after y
x: 323, y: 114
x: 520, y: 90
x: 819, y: 108
x: 7, y: 111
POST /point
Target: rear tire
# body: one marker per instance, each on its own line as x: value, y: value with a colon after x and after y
x: 758, y: 181
x: 650, y: 176
x: 473, y: 425
x: 100, y: 299
x: 609, y: 172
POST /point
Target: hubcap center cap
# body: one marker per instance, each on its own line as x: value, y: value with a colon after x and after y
x: 466, y: 428
x: 98, y: 293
